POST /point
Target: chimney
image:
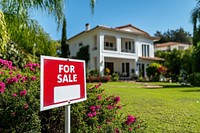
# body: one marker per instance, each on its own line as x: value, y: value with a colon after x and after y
x: 87, y: 27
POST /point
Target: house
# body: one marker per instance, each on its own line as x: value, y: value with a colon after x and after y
x: 126, y: 50
x: 171, y: 45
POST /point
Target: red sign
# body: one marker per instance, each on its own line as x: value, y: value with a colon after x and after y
x: 62, y: 82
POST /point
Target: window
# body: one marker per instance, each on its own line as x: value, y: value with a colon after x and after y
x: 145, y: 50
x: 109, y: 46
x: 129, y: 46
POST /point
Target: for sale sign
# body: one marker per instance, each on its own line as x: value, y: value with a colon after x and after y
x: 62, y: 82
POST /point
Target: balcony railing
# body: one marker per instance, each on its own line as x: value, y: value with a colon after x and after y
x: 128, y: 51
x: 110, y: 48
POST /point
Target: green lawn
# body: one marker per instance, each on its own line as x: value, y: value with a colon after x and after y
x: 170, y: 109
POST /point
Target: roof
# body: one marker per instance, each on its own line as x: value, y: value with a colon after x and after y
x: 133, y: 27
x: 120, y: 29
x: 152, y: 58
x: 167, y: 44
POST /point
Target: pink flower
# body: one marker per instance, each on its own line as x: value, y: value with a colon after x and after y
x: 33, y: 78
x: 19, y: 76
x: 14, y: 95
x: 110, y: 107
x: 119, y: 107
x: 24, y: 79
x: 2, y: 73
x: 94, y: 113
x: 92, y: 108
x: 99, y: 97
x: 10, y: 63
x: 90, y: 115
x: 100, y: 84
x: 12, y: 80
x: 99, y: 127
x: 130, y: 119
x: 2, y: 87
x: 10, y: 72
x: 116, y: 130
x: 116, y: 99
x: 96, y: 86
x: 32, y: 69
x: 23, y: 93
x: 26, y: 106
x: 130, y: 129
x: 98, y: 106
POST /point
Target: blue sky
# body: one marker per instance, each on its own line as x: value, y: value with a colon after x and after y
x: 148, y: 15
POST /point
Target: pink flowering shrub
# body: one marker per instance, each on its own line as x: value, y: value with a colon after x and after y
x: 100, y: 114
x: 19, y: 106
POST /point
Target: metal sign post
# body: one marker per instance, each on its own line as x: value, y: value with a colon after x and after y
x: 67, y: 119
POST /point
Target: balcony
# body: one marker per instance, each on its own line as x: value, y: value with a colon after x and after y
x: 110, y: 48
x: 128, y: 51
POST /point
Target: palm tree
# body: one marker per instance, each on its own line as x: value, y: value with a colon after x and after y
x: 18, y: 12
x: 195, y: 20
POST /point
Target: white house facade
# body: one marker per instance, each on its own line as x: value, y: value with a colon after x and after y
x: 126, y: 50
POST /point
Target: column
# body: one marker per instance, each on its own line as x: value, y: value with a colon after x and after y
x: 100, y: 57
x: 118, y: 41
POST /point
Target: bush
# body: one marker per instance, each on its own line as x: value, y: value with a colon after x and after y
x: 19, y: 106
x: 93, y: 72
x: 99, y: 114
x: 92, y: 79
x: 194, y: 79
x: 19, y: 96
x: 105, y: 79
x: 152, y: 71
x: 115, y: 77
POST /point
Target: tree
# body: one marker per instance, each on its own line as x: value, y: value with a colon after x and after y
x: 196, y: 26
x: 83, y: 54
x: 178, y: 35
x: 25, y: 31
x: 23, y: 8
x: 64, y: 46
x: 4, y: 37
x: 172, y: 61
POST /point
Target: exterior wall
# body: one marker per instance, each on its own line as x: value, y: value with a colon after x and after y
x: 85, y: 40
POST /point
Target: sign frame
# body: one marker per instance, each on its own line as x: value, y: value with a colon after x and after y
x: 64, y: 103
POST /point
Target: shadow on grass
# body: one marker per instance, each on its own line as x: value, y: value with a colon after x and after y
x: 176, y: 86
x: 190, y: 90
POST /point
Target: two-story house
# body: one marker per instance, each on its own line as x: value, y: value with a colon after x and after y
x: 126, y: 49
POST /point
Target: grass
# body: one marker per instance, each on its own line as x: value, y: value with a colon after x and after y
x: 171, y: 109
